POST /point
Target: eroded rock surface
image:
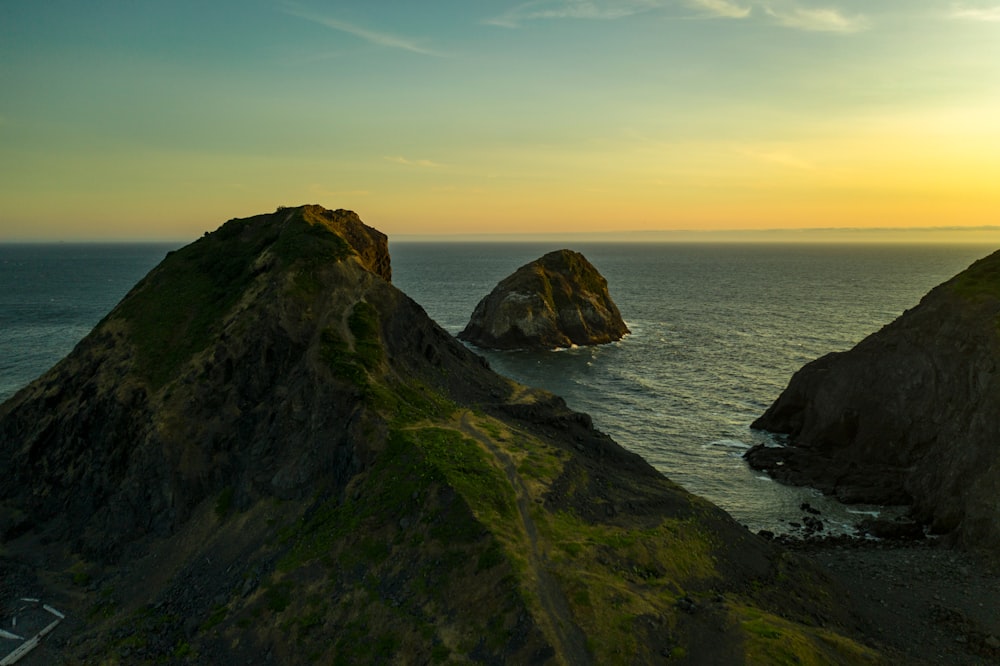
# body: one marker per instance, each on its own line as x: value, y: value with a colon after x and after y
x: 266, y: 453
x: 559, y: 300
x: 910, y: 415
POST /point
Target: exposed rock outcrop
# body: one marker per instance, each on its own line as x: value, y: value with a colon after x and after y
x: 267, y: 453
x: 910, y: 415
x: 200, y: 379
x: 559, y: 300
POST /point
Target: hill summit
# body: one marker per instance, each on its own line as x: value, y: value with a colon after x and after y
x: 266, y: 453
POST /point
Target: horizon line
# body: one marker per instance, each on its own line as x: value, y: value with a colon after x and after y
x: 789, y: 235
x: 792, y: 234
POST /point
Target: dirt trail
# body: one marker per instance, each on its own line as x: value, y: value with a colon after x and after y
x: 571, y: 644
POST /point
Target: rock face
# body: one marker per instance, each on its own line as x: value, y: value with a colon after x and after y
x: 911, y: 415
x: 268, y: 454
x: 559, y: 300
x: 197, y: 381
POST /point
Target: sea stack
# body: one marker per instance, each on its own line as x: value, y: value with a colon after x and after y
x: 558, y: 300
x: 911, y: 415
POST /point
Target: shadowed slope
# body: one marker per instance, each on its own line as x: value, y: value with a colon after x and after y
x: 910, y: 415
x: 268, y: 453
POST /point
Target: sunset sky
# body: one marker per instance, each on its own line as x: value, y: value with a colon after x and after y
x: 160, y: 120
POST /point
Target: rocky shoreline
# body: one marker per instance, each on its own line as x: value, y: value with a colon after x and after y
x: 921, y: 602
x: 907, y: 416
x: 919, y: 599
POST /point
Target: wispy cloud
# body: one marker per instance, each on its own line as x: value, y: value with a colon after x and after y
x: 818, y: 20
x: 786, y: 13
x: 426, y: 164
x: 976, y: 13
x: 383, y: 39
x: 575, y: 9
x: 722, y: 8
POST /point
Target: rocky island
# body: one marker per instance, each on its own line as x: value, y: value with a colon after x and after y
x: 911, y: 415
x: 558, y: 300
x: 267, y: 454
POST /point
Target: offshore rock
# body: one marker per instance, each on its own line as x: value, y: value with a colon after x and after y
x: 267, y: 451
x: 911, y: 415
x: 559, y: 300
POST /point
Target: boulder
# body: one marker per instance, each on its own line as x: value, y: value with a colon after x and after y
x: 558, y: 300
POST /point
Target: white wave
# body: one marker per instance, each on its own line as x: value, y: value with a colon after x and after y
x: 727, y: 443
x: 860, y: 512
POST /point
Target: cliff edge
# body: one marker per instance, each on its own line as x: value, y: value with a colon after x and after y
x: 558, y: 300
x: 911, y: 415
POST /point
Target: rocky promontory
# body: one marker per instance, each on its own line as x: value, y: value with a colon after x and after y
x: 558, y: 300
x: 268, y: 454
x: 911, y: 415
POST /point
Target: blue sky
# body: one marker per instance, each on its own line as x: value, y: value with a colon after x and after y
x: 160, y: 120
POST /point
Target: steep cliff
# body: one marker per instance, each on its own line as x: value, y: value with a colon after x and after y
x: 910, y: 415
x: 268, y: 454
x: 558, y: 300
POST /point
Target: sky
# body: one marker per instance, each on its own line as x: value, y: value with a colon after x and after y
x: 141, y: 119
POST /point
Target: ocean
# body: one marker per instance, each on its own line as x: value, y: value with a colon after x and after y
x: 717, y: 331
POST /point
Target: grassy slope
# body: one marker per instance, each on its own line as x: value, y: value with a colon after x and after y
x: 446, y: 547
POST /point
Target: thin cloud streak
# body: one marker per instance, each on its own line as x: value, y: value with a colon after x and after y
x: 383, y: 39
x: 426, y: 164
x: 573, y: 9
x: 721, y: 8
x: 818, y: 20
x: 989, y: 14
x: 785, y: 14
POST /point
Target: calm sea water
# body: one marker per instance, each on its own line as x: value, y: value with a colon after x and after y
x: 717, y: 330
x: 51, y: 295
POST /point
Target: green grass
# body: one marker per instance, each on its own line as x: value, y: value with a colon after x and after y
x: 312, y: 242
x: 79, y: 575
x: 353, y: 363
x: 773, y: 640
x: 468, y: 469
x: 613, y: 574
x: 981, y: 280
x: 215, y: 618
x: 364, y: 325
x: 413, y: 461
x: 105, y: 606
x: 336, y: 353
x: 404, y: 404
x: 178, y: 309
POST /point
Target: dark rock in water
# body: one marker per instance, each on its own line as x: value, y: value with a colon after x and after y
x: 559, y: 300
x: 267, y: 451
x: 808, y: 508
x: 843, y: 479
x: 909, y: 415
